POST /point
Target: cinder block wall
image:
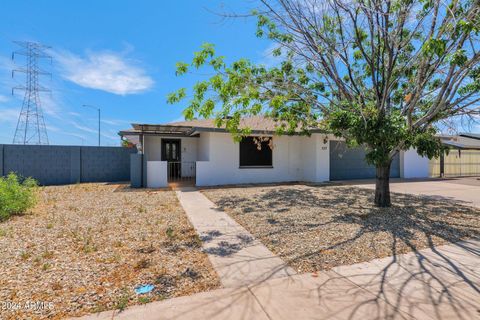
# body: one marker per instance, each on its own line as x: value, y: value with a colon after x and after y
x: 54, y: 165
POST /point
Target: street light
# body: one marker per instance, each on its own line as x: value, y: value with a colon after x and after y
x: 98, y: 109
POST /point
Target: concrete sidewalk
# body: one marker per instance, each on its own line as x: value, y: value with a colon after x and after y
x: 437, y: 283
x: 238, y: 258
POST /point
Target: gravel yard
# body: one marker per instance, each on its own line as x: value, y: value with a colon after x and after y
x: 85, y: 247
x: 319, y: 227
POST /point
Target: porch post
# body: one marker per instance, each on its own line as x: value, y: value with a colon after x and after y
x: 144, y: 162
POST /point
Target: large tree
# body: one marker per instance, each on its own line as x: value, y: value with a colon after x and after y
x: 381, y: 74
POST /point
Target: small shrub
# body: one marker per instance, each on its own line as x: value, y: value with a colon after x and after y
x: 122, y: 301
x: 47, y: 254
x: 144, y: 300
x: 25, y: 255
x: 56, y: 286
x: 89, y: 246
x: 170, y: 233
x: 271, y: 218
x: 17, y: 195
x: 142, y: 264
x: 99, y: 308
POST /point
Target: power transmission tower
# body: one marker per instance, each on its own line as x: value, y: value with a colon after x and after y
x: 31, y: 124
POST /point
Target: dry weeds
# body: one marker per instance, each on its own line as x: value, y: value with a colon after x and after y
x: 85, y: 248
x: 319, y: 227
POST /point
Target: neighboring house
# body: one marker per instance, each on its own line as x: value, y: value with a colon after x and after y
x: 463, y: 158
x: 462, y: 141
x: 206, y: 155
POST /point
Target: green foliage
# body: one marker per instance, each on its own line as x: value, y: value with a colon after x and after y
x: 126, y: 143
x: 16, y: 195
x: 170, y: 232
x: 474, y: 85
x: 382, y: 134
x: 122, y: 301
x: 381, y: 82
x: 182, y: 68
x: 144, y: 300
x: 459, y: 58
x: 435, y: 46
x: 175, y: 97
x: 239, y: 91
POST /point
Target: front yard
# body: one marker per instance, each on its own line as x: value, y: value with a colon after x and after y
x: 319, y: 227
x: 84, y: 248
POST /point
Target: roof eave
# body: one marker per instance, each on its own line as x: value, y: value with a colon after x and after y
x: 460, y: 146
x: 470, y: 135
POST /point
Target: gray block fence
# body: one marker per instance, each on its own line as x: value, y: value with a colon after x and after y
x: 54, y: 165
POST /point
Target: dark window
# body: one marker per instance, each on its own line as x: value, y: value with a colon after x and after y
x: 253, y: 156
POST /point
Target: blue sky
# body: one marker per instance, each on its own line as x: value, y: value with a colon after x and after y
x: 119, y: 55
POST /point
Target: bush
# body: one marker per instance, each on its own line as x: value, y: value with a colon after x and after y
x: 17, y: 195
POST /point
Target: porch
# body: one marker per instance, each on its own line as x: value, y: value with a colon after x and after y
x: 173, y: 174
x: 170, y: 160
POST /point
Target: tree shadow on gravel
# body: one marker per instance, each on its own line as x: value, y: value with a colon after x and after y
x: 439, y: 282
x: 225, y: 248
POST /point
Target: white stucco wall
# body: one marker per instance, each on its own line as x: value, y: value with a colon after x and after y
x: 294, y: 158
x: 217, y: 157
x: 152, y: 148
x: 203, y: 148
x: 308, y: 159
x: 412, y: 165
x: 322, y: 158
x: 157, y: 174
x: 189, y: 149
x: 315, y: 158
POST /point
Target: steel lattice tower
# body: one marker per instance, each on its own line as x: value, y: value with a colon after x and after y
x: 31, y: 124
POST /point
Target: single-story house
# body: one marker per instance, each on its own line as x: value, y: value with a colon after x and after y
x: 199, y: 152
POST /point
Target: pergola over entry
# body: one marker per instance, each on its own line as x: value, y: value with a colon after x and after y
x: 163, y: 129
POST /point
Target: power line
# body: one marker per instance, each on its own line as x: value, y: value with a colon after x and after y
x: 31, y: 124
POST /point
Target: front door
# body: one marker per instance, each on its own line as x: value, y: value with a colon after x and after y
x: 171, y: 153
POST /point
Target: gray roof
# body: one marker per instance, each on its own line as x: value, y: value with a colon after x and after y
x: 470, y: 135
x: 258, y: 125
x: 461, y: 141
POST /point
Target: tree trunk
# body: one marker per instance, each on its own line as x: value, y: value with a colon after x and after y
x: 382, y: 186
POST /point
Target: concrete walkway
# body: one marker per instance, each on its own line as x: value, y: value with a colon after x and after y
x: 437, y: 283
x: 238, y: 258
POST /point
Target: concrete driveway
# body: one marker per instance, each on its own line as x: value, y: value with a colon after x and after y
x: 464, y: 190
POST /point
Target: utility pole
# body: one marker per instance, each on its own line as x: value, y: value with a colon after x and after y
x: 31, y: 127
x: 98, y: 109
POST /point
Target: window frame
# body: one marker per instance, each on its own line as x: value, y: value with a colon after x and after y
x: 240, y: 166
